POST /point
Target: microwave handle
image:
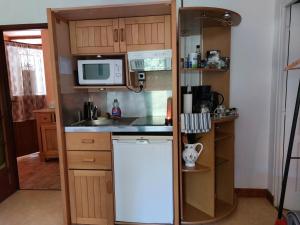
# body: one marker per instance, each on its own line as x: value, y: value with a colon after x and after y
x: 116, y: 35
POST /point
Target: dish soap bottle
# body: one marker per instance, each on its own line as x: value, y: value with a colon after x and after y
x: 116, y: 111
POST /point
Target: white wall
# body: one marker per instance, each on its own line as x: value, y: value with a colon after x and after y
x: 34, y: 11
x: 251, y: 72
x: 251, y: 78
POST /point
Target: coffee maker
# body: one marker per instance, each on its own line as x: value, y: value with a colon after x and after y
x: 203, y: 95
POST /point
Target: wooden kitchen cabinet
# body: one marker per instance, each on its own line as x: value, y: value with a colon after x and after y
x: 120, y: 35
x: 49, y: 140
x: 47, y: 135
x: 145, y: 33
x: 94, y: 36
x: 91, y: 197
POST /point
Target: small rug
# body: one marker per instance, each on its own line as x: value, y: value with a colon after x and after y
x: 37, y: 175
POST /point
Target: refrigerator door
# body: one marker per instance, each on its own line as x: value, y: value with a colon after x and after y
x: 143, y: 181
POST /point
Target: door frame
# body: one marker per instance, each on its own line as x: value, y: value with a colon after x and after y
x: 11, y: 154
x: 279, y: 83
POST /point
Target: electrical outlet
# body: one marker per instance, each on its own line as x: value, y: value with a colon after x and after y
x: 141, y: 76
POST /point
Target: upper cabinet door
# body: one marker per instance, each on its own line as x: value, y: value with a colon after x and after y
x: 94, y: 36
x: 145, y: 33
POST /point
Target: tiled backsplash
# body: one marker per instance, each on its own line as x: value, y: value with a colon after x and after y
x: 148, y: 103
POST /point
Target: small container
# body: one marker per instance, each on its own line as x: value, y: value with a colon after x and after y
x: 193, y: 59
x: 116, y: 111
x: 198, y: 50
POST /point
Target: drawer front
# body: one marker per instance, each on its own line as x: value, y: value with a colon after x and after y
x: 44, y: 117
x: 88, y: 141
x: 89, y: 160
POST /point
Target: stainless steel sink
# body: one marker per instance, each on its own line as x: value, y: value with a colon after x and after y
x: 102, y: 121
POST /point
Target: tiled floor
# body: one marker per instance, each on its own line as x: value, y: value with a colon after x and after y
x: 37, y: 175
x: 32, y: 208
x: 44, y: 208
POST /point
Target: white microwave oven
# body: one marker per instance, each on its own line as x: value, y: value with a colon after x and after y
x: 100, y: 72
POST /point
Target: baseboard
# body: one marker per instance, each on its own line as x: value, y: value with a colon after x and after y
x: 255, y: 193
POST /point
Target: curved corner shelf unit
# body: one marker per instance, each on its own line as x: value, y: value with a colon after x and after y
x: 193, y: 216
x: 207, y: 191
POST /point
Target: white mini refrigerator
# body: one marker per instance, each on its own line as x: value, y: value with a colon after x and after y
x: 143, y: 179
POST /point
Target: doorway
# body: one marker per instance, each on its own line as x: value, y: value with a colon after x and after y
x: 32, y: 106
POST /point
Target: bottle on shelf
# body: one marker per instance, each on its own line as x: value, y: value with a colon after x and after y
x: 198, y: 51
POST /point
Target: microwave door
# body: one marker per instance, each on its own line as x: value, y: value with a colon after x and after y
x: 96, y: 73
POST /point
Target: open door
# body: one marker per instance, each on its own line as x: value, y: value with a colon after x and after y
x: 8, y: 164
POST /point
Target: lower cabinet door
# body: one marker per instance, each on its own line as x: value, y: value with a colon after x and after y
x: 91, y: 197
x: 49, y: 140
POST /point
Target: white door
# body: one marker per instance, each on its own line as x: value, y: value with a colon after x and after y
x: 292, y: 199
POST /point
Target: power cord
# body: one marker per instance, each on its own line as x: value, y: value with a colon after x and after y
x: 141, y: 87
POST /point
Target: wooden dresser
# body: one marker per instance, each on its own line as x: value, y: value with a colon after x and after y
x: 47, y: 135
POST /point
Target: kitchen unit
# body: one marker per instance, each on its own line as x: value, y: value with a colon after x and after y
x: 89, y: 174
x: 47, y: 135
x: 128, y: 169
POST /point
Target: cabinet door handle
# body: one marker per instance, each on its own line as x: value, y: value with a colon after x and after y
x: 89, y: 160
x: 87, y: 141
x: 122, y: 34
x: 116, y: 35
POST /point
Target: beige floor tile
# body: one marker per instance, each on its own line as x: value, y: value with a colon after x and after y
x: 32, y: 208
x: 44, y: 208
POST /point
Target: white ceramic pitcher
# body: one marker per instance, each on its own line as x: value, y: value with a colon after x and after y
x: 190, y: 154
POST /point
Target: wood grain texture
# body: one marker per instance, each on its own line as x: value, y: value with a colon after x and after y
x: 88, y: 141
x: 116, y: 11
x: 47, y: 66
x: 199, y: 188
x: 175, y: 115
x: 49, y: 140
x: 46, y: 119
x: 93, y: 36
x: 89, y: 160
x: 92, y: 201
x: 218, y: 38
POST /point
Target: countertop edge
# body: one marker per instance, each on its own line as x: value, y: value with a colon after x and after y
x: 73, y: 129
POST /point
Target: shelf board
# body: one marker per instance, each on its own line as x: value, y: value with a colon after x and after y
x: 192, y: 215
x: 203, y: 70
x: 197, y: 169
x: 222, y: 136
x: 100, y: 87
x: 220, y: 160
x: 223, y: 119
x: 193, y: 18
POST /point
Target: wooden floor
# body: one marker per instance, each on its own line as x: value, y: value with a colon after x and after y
x: 45, y: 208
x: 37, y: 175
